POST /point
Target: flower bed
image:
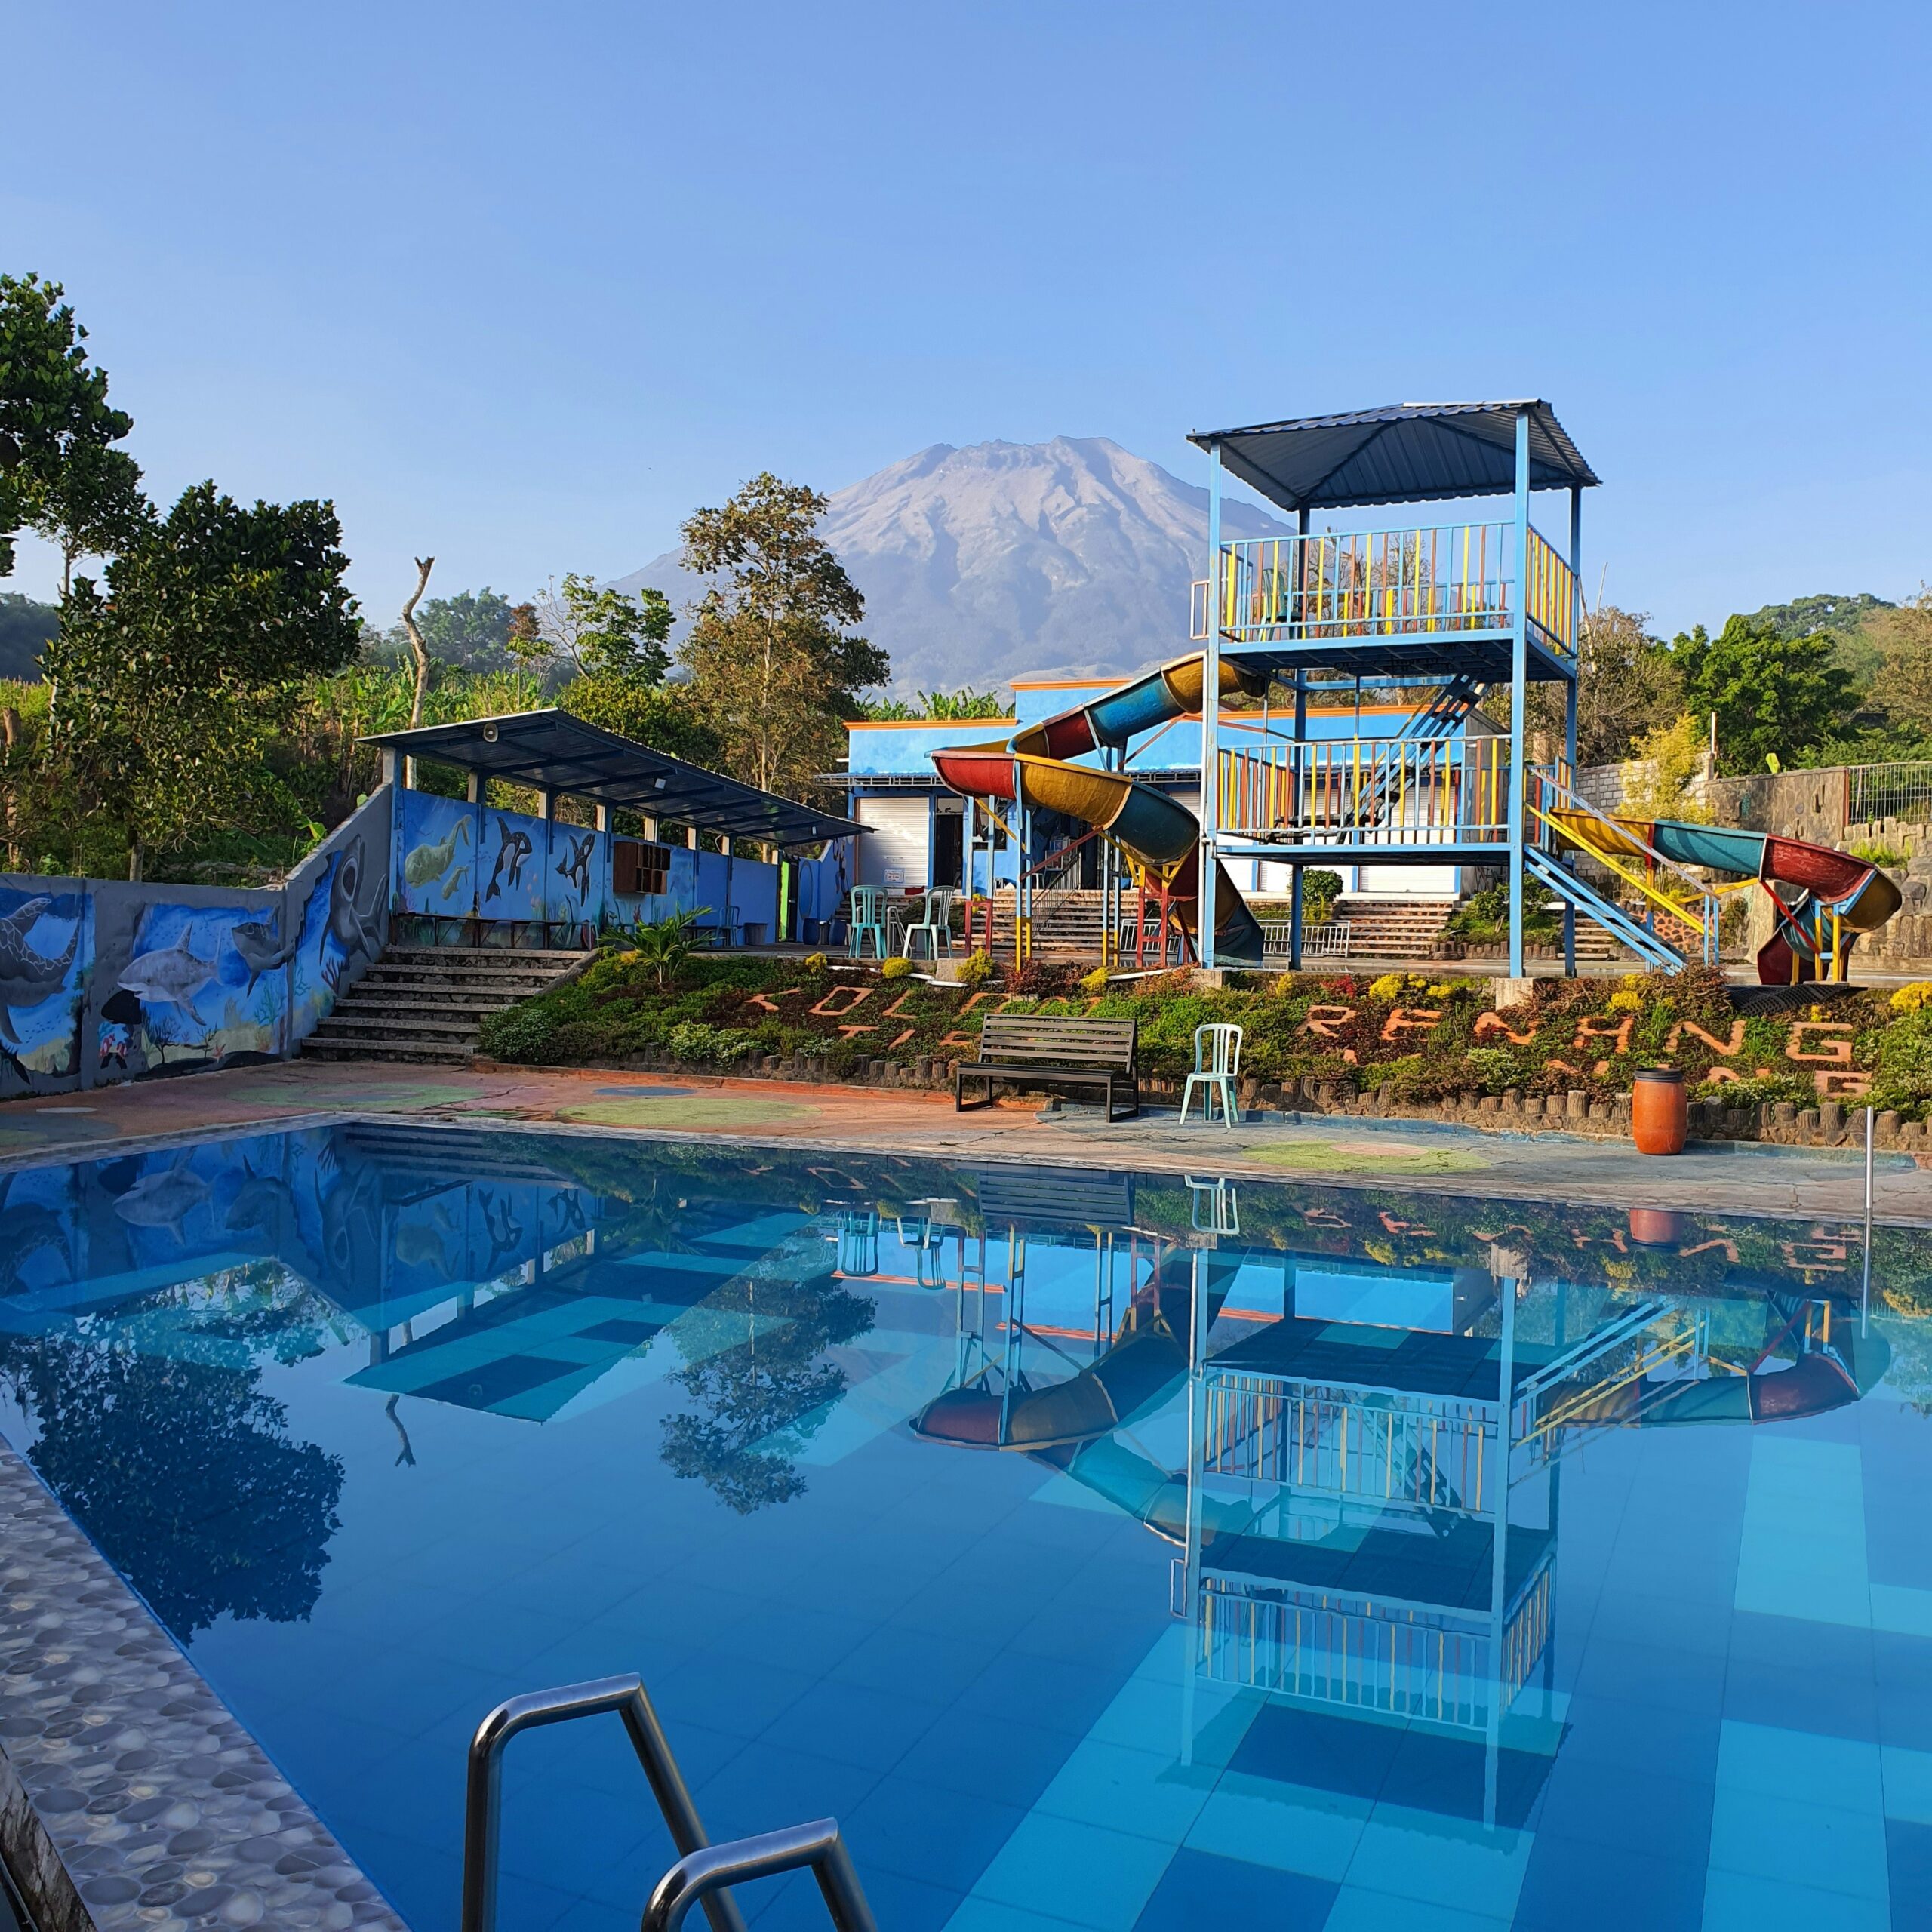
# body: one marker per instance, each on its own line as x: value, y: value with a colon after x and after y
x: 1403, y: 1037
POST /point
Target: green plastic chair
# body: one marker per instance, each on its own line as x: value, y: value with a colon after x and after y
x: 868, y: 917
x: 1216, y: 1064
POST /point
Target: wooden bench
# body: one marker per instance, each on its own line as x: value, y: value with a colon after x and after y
x: 1043, y: 1050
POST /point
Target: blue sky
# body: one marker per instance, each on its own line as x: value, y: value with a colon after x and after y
x: 521, y: 285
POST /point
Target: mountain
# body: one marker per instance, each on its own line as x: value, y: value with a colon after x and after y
x: 1006, y: 560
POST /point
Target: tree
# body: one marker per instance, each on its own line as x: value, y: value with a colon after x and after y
x: 1664, y: 763
x: 470, y: 630
x: 774, y: 669
x: 594, y: 632
x: 1903, y: 688
x: 162, y: 689
x: 1628, y: 684
x: 964, y: 704
x: 59, y: 472
x: 419, y: 651
x: 1774, y: 695
x: 660, y: 715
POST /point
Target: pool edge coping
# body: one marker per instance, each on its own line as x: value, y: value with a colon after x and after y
x: 76, y: 1643
x: 1241, y: 1167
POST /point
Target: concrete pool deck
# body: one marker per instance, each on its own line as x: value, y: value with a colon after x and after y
x: 1722, y: 1176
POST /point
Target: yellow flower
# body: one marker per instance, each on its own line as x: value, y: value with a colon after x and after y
x: 1096, y: 982
x: 1913, y: 998
x: 1442, y: 992
x: 1390, y: 987
x: 1628, y: 1000
x: 895, y: 969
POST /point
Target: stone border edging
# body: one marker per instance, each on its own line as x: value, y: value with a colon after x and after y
x: 131, y: 1797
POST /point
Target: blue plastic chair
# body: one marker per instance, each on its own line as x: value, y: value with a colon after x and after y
x: 1216, y: 1064
x: 867, y: 916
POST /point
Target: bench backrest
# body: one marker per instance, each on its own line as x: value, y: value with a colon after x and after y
x: 1061, y: 1040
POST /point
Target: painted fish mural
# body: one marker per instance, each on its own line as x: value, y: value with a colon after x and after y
x: 513, y: 847
x: 574, y: 866
x: 27, y: 977
x: 428, y: 863
x: 260, y: 950
x: 171, y: 976
x: 163, y: 1200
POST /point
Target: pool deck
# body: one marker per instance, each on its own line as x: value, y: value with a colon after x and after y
x: 1722, y: 1176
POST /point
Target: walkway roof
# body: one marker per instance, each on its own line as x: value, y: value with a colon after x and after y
x: 1409, y: 453
x: 555, y: 752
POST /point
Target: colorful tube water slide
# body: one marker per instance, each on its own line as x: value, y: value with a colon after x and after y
x: 1159, y: 834
x: 1829, y: 898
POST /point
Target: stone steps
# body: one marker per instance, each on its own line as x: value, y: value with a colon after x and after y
x: 428, y: 1003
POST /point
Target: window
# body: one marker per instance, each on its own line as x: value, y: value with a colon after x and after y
x: 638, y: 869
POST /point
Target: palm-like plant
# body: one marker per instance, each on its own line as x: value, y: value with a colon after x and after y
x: 665, y: 944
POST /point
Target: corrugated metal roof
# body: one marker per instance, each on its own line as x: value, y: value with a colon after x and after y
x: 1409, y: 453
x: 554, y: 751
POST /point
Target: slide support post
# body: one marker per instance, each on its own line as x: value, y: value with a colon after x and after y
x: 1519, y: 685
x: 1209, y: 813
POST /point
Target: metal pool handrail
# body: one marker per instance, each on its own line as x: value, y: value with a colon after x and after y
x: 698, y: 1877
x: 483, y: 1799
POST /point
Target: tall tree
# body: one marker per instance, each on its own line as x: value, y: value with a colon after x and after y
x: 59, y: 473
x: 774, y: 669
x: 1774, y: 695
x: 579, y: 627
x: 470, y: 630
x: 162, y: 689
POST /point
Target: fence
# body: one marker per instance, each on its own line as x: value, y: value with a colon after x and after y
x: 1384, y: 583
x: 1371, y: 791
x: 1429, y: 1454
x: 1320, y: 938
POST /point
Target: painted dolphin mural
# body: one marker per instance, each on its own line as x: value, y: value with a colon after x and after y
x: 26, y: 976
x: 427, y: 863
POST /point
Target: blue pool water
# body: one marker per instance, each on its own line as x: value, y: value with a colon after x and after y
x: 1103, y: 1551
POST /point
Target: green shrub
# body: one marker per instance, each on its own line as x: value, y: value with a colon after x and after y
x: 1319, y: 889
x: 521, y: 1035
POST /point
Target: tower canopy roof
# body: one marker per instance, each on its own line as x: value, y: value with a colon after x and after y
x: 1409, y: 453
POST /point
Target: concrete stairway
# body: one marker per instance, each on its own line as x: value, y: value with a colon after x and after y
x: 426, y: 1002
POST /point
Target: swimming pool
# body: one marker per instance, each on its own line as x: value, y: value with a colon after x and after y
x: 1103, y: 1550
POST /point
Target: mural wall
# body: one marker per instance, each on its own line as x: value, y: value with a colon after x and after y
x: 458, y: 860
x: 101, y: 981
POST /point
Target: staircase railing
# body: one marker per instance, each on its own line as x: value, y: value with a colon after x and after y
x: 1609, y: 842
x: 703, y: 1870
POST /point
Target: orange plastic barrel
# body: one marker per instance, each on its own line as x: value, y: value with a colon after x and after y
x: 1659, y: 1120
x: 1656, y: 1227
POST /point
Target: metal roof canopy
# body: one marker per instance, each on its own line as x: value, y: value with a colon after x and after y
x: 554, y: 751
x: 1409, y: 453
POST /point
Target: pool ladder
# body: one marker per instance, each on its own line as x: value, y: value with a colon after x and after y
x: 704, y: 1871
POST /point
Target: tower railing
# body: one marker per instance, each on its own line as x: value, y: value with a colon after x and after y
x: 1344, y: 584
x: 1369, y: 791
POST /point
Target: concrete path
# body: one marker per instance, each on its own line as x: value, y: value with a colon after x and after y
x: 1806, y: 1183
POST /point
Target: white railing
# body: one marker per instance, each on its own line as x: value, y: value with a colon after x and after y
x: 1320, y: 938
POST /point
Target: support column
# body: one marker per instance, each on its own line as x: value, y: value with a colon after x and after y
x: 1570, y: 698
x: 1209, y: 813
x: 1301, y: 733
x: 1519, y: 688
x: 473, y: 791
x: 603, y: 818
